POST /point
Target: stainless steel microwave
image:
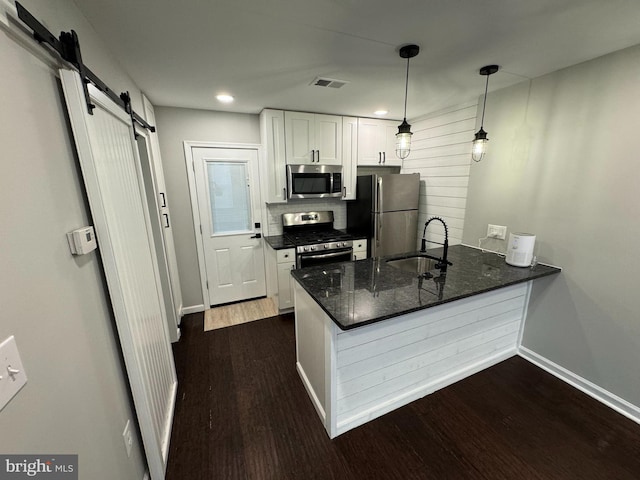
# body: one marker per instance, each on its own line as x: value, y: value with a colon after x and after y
x: 314, y: 181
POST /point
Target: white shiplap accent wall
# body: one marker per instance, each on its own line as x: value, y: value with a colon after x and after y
x: 441, y: 154
x: 392, y: 363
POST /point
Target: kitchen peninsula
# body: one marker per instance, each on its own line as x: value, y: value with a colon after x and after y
x: 371, y: 337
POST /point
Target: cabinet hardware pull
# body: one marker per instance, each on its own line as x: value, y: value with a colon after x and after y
x: 344, y: 191
x: 166, y: 218
x: 164, y: 200
x: 384, y: 157
x: 284, y: 193
x: 257, y: 235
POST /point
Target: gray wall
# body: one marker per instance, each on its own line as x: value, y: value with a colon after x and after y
x: 77, y: 399
x: 563, y: 164
x: 175, y: 125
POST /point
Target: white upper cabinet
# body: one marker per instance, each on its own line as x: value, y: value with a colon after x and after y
x: 272, y: 167
x: 349, y: 157
x: 377, y: 142
x: 313, y: 138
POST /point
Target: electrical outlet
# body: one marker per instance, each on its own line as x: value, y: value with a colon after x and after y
x: 497, y: 231
x: 127, y: 436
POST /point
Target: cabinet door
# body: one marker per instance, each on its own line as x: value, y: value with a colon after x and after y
x: 328, y: 139
x: 300, y: 143
x: 389, y: 157
x: 360, y: 249
x: 359, y: 255
x: 377, y: 142
x: 285, y: 285
x: 371, y: 141
x: 349, y: 157
x: 273, y: 173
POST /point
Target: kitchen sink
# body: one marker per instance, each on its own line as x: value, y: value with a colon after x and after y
x: 418, y: 264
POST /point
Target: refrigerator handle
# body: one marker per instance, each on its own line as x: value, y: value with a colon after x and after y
x: 378, y: 194
x: 378, y: 231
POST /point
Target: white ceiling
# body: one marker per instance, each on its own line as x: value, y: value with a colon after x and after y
x: 267, y: 52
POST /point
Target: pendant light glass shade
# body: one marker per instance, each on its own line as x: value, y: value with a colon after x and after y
x: 403, y: 137
x: 403, y: 140
x: 479, y: 147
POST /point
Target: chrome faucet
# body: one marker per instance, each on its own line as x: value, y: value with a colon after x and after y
x: 443, y: 262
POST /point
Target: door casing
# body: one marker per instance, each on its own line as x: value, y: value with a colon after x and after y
x: 195, y: 211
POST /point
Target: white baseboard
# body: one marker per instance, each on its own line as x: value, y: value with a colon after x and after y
x: 620, y: 405
x: 193, y: 309
x: 312, y: 394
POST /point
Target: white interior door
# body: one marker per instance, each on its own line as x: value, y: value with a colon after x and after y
x: 162, y: 203
x: 114, y: 183
x: 158, y: 223
x: 228, y: 193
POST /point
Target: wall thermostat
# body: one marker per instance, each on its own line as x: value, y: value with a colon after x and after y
x: 82, y: 240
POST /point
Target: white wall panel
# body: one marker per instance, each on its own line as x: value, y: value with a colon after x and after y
x: 441, y: 154
x: 382, y: 364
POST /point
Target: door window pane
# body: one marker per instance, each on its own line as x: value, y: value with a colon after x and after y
x: 229, y: 197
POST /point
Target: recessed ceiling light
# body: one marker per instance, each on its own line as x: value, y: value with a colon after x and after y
x: 380, y: 112
x: 224, y: 98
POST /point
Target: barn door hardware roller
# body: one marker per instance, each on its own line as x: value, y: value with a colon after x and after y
x: 67, y: 46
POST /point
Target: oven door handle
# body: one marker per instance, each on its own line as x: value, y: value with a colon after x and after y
x: 327, y: 255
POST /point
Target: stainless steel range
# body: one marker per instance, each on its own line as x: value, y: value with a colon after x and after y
x: 315, y: 239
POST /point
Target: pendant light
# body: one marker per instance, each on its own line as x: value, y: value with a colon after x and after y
x: 403, y: 137
x: 480, y: 141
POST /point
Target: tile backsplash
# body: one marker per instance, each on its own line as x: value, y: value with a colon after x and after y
x: 275, y: 211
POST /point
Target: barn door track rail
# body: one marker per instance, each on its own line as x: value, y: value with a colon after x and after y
x: 68, y: 47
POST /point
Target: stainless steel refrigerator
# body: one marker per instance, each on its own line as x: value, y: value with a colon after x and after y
x: 386, y: 212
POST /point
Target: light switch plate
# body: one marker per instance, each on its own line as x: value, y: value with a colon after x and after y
x: 12, y: 374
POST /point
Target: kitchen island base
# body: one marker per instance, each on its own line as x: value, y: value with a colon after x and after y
x: 356, y: 375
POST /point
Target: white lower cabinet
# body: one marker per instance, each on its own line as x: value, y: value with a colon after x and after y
x: 279, y: 279
x: 285, y: 285
x: 360, y: 249
x: 286, y: 260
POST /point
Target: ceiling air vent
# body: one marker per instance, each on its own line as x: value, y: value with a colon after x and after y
x: 328, y: 82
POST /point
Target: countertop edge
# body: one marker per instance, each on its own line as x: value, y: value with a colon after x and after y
x: 424, y: 307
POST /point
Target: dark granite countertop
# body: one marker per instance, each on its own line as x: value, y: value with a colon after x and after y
x: 278, y: 242
x: 358, y: 293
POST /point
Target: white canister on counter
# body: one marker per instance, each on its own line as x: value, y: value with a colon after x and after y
x: 520, y: 249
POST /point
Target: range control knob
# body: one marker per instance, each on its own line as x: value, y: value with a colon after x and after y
x: 306, y: 249
x: 326, y: 246
x: 312, y: 248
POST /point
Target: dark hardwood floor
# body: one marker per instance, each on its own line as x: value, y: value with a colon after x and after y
x: 242, y: 413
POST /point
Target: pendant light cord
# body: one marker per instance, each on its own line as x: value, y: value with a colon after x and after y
x: 406, y: 90
x: 484, y: 103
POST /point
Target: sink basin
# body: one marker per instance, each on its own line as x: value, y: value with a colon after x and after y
x: 417, y: 264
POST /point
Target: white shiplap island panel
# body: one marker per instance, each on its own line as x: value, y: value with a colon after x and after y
x: 357, y: 375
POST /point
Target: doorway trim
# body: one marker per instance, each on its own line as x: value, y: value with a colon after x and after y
x: 195, y: 211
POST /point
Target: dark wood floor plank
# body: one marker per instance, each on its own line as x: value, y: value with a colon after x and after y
x: 243, y: 413
x: 510, y: 399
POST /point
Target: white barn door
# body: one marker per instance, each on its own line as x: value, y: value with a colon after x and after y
x: 114, y: 184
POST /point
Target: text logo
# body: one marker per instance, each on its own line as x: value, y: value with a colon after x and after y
x: 39, y: 467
